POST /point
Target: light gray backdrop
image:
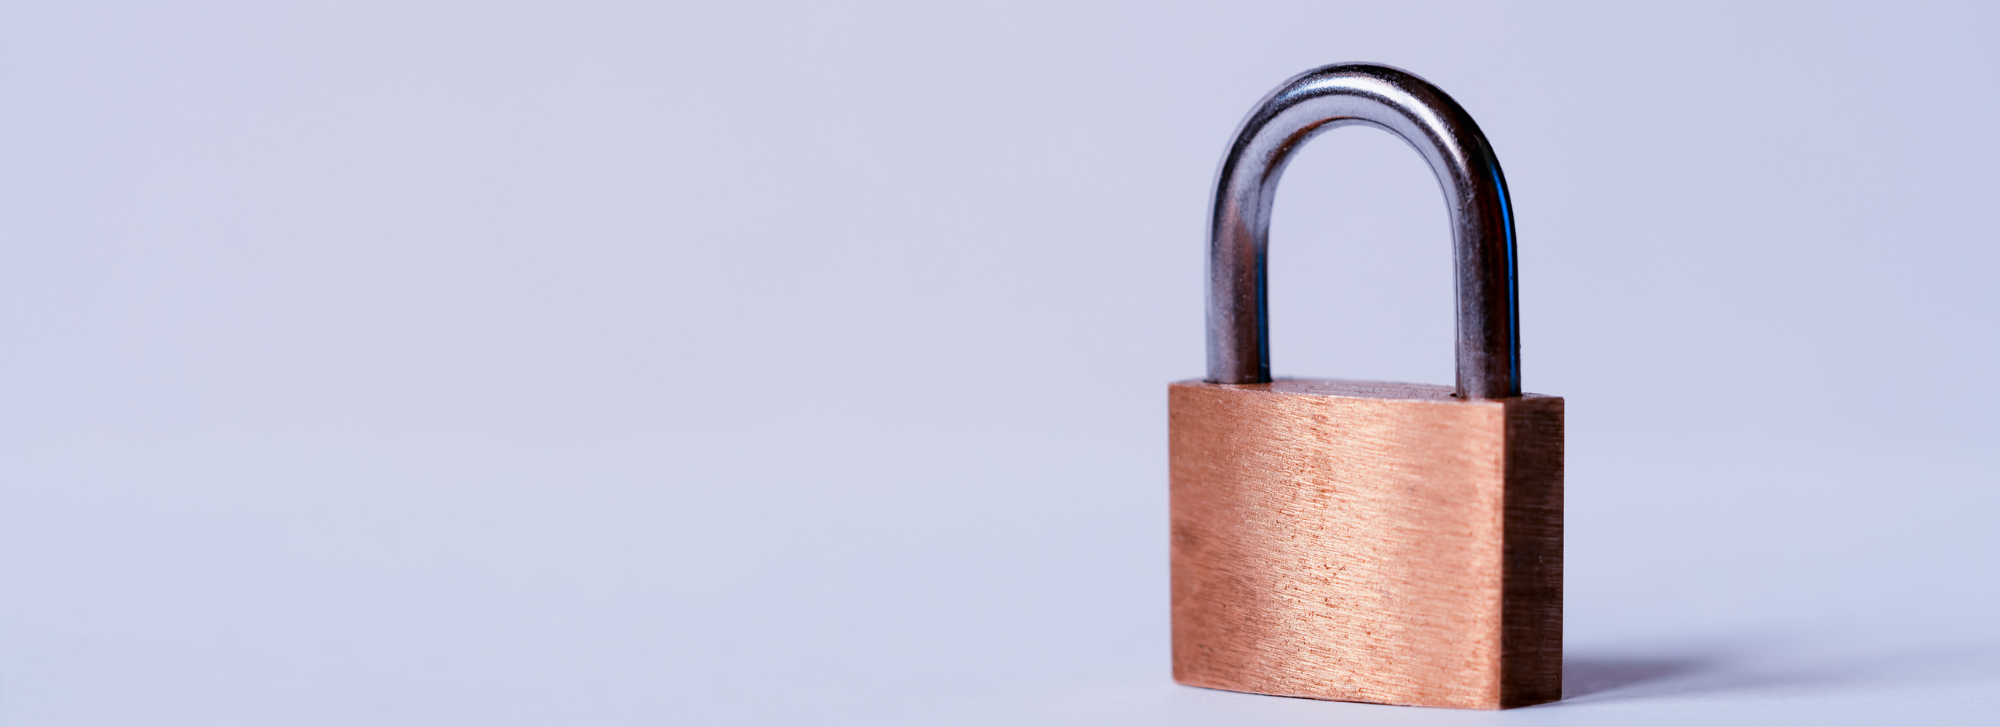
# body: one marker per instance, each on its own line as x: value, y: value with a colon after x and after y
x: 589, y: 363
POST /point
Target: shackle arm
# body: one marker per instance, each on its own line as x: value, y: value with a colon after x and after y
x: 1475, y: 193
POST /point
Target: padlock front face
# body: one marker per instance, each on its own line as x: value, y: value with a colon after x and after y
x: 1367, y: 542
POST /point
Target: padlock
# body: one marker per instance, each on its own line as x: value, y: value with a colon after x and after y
x: 1365, y: 541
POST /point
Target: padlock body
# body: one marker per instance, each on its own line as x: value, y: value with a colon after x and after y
x: 1367, y: 542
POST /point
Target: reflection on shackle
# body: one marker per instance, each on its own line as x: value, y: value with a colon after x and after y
x: 1482, y: 225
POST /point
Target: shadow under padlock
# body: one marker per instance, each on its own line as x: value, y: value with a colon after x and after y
x: 1366, y: 541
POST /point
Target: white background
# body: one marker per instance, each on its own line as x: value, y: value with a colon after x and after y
x: 586, y: 363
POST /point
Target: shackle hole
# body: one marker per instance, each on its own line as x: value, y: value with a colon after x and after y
x: 1361, y: 263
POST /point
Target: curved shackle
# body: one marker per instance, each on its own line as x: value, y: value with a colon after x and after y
x: 1482, y: 225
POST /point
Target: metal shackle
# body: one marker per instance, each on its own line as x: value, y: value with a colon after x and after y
x: 1482, y: 225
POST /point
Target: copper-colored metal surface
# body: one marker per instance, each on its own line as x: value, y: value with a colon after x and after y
x: 1367, y: 542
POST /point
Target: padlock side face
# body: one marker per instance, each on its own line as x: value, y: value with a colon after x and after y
x: 1366, y: 542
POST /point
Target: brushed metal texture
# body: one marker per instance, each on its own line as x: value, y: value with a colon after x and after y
x: 1367, y: 542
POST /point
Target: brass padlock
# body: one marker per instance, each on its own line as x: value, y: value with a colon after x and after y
x: 1363, y: 541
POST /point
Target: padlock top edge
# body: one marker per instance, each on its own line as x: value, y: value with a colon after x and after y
x: 1358, y: 389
